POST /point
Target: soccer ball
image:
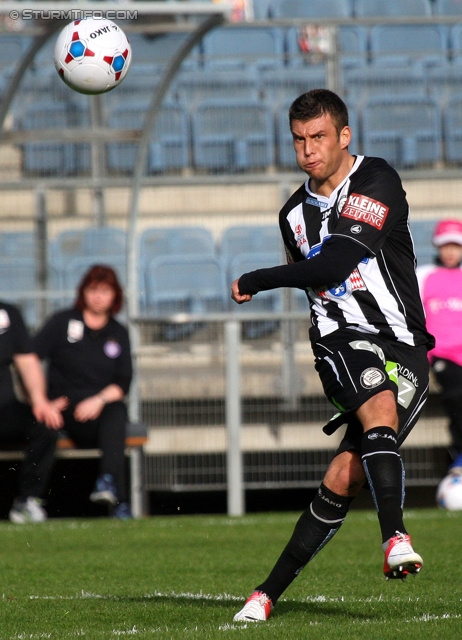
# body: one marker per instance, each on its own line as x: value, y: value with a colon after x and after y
x: 92, y: 56
x: 449, y: 493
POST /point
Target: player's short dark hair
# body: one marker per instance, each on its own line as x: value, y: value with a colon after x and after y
x: 97, y: 274
x: 316, y: 103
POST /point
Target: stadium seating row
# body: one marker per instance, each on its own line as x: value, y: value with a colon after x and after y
x: 266, y: 47
x: 181, y: 269
x: 264, y: 9
x: 234, y: 135
x: 380, y: 44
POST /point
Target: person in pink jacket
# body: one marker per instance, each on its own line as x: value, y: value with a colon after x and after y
x: 441, y: 290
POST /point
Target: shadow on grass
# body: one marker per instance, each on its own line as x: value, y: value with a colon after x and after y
x: 317, y: 610
x: 322, y: 609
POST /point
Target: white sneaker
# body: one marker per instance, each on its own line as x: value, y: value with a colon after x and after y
x: 257, y: 607
x: 400, y: 557
x: 27, y: 511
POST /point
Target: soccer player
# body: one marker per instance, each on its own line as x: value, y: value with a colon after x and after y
x: 348, y: 244
x: 32, y: 421
x: 441, y: 290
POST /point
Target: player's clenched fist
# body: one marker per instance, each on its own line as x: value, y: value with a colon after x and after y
x: 237, y: 296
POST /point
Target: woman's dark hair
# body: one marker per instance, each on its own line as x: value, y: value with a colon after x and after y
x: 316, y: 103
x: 97, y: 274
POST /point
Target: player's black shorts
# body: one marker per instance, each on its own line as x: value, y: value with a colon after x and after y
x: 355, y: 366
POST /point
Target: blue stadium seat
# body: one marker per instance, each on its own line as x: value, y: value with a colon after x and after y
x: 264, y: 301
x: 407, y: 44
x: 182, y: 240
x: 105, y: 242
x: 169, y: 144
x: 121, y: 156
x: 391, y: 8
x: 452, y: 125
x: 353, y: 46
x: 185, y: 284
x: 285, y: 153
x: 262, y: 9
x: 18, y: 284
x: 405, y: 131
x: 192, y: 87
x: 68, y: 244
x: 35, y: 87
x: 311, y: 9
x: 12, y: 48
x: 47, y: 158
x: 232, y: 135
x: 97, y: 242
x: 447, y: 7
x: 159, y: 49
x: 238, y: 47
x: 139, y: 84
x: 171, y: 241
x: 17, y: 244
x: 248, y: 239
x: 422, y: 232
x: 368, y: 81
x: 455, y: 43
x: 245, y: 248
x: 444, y: 81
x: 283, y: 85
x: 80, y: 117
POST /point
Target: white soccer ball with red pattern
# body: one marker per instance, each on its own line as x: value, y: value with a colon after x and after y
x: 449, y: 493
x: 92, y: 56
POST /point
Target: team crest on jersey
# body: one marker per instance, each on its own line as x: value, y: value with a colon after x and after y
x: 364, y: 209
x: 372, y: 377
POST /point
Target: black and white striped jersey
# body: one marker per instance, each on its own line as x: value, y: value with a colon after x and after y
x: 381, y: 295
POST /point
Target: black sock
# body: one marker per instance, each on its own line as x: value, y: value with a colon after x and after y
x: 314, y: 529
x: 385, y: 473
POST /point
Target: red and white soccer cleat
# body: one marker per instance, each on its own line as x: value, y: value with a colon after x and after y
x: 400, y: 557
x: 257, y: 608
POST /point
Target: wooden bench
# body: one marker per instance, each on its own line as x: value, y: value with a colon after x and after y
x: 136, y: 438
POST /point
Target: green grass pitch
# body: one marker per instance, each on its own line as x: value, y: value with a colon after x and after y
x: 185, y: 577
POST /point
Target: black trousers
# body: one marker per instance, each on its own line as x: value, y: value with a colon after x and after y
x: 19, y: 427
x: 108, y: 434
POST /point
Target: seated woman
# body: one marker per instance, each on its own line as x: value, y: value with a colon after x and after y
x: 89, y: 362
